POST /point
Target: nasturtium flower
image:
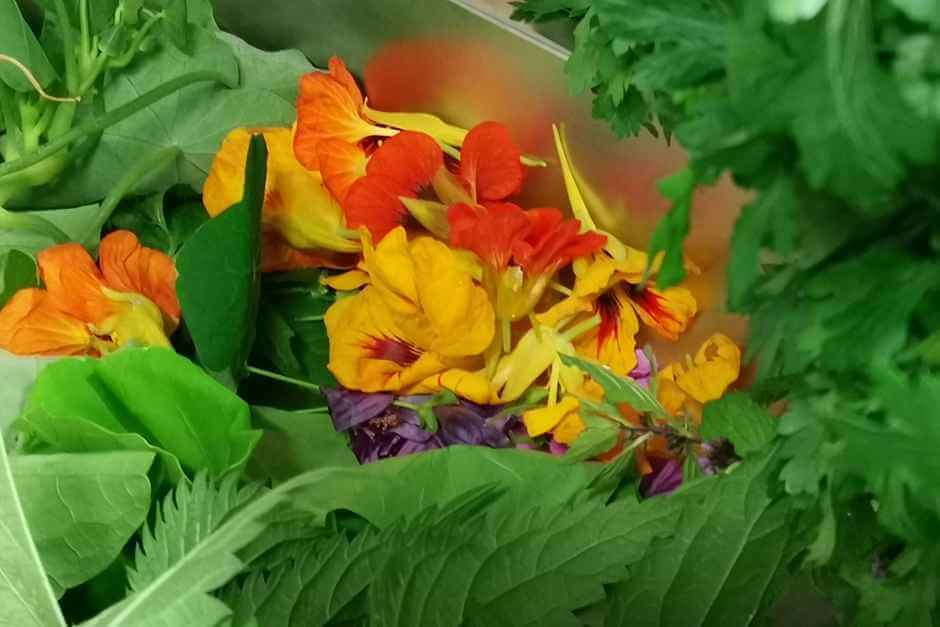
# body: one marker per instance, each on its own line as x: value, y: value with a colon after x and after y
x: 521, y: 250
x: 303, y: 224
x: 687, y: 386
x: 419, y: 326
x: 129, y: 297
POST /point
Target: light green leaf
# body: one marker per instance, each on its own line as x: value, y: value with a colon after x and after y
x: 19, y: 374
x: 790, y: 11
x: 19, y: 42
x: 599, y: 437
x: 82, y: 508
x: 295, y: 442
x: 730, y: 550
x: 142, y: 399
x: 25, y: 595
x: 78, y: 224
x: 618, y: 389
x: 219, y: 276
x: 921, y: 10
x: 743, y: 422
x: 277, y: 72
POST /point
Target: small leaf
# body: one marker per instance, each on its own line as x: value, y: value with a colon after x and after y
x: 673, y: 228
x: 600, y: 436
x: 17, y: 271
x: 618, y: 389
x: 219, y: 276
x: 742, y: 421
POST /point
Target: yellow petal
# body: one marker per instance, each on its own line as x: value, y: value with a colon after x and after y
x: 565, y: 309
x: 532, y: 356
x: 473, y: 386
x: 668, y: 311
x: 430, y: 214
x: 348, y: 281
x: 668, y: 392
x: 596, y: 277
x: 717, y: 365
x: 392, y: 271
x: 422, y: 122
x: 569, y: 429
x: 542, y: 420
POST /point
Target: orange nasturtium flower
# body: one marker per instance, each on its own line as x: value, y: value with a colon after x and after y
x: 521, y: 250
x: 129, y: 297
x: 303, y: 224
x: 419, y: 326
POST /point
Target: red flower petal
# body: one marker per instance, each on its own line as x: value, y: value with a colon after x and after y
x: 490, y: 162
x: 373, y: 202
x: 409, y: 160
x: 491, y: 232
x: 553, y: 242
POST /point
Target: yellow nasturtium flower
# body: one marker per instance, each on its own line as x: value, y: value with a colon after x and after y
x: 704, y: 378
x: 303, y: 223
x: 420, y: 325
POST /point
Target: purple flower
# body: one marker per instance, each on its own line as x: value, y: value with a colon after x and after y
x: 666, y: 477
x: 643, y: 370
x: 557, y: 448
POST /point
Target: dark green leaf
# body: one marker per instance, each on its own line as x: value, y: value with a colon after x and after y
x: 19, y: 42
x: 219, y: 276
x: 82, y: 508
x: 672, y: 229
x: 17, y: 272
x: 743, y: 422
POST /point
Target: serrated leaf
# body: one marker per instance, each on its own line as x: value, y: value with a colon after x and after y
x: 730, y: 549
x: 219, y: 276
x: 599, y: 437
x: 25, y: 595
x: 672, y: 229
x: 82, y: 509
x: 743, y: 422
x: 618, y: 389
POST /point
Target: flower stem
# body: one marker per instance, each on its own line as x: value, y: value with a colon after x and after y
x: 283, y: 379
x: 505, y: 326
x: 98, y: 124
x: 68, y: 45
x: 581, y: 328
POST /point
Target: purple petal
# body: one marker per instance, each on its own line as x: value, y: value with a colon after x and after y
x: 643, y: 367
x: 666, y: 477
x: 350, y: 409
x: 556, y: 448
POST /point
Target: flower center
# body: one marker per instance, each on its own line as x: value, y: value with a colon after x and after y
x: 392, y: 349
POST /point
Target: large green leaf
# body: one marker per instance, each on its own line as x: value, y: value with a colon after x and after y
x: 295, y: 442
x: 722, y: 566
x: 77, y: 224
x: 743, y: 422
x: 140, y: 399
x: 25, y: 595
x: 17, y: 271
x: 19, y: 42
x: 385, y: 491
x: 219, y: 275
x: 82, y: 508
x: 194, y: 120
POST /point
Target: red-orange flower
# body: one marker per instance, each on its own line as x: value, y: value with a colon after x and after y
x: 490, y: 162
x: 89, y: 309
x: 403, y: 166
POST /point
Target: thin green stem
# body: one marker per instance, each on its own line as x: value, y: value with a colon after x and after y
x: 406, y: 405
x: 96, y: 125
x: 505, y: 327
x: 65, y: 28
x: 139, y: 37
x: 581, y: 328
x: 283, y: 379
x: 131, y: 178
x: 85, y: 43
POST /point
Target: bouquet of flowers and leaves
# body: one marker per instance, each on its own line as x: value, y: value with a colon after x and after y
x: 287, y: 359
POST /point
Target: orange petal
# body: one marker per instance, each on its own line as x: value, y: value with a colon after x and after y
x: 553, y: 242
x: 410, y: 160
x: 341, y: 164
x: 490, y: 162
x: 491, y: 232
x: 31, y: 325
x: 129, y: 267
x: 74, y: 283
x: 340, y: 73
x: 372, y: 202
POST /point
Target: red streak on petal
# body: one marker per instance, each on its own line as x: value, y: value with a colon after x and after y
x: 652, y: 303
x: 608, y: 308
x: 392, y: 349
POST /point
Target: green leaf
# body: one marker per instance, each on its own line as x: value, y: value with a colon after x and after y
x: 19, y: 374
x: 295, y: 442
x: 789, y: 11
x: 725, y: 561
x: 179, y: 594
x: 743, y: 422
x: 18, y: 41
x: 140, y: 399
x: 672, y: 229
x: 277, y: 72
x: 219, y: 275
x: 600, y: 436
x: 394, y: 488
x: 82, y: 508
x: 74, y: 224
x: 920, y: 10
x: 189, y: 514
x: 25, y: 595
x: 618, y: 389
x: 17, y: 271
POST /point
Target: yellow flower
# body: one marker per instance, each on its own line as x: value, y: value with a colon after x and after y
x: 535, y: 353
x: 716, y: 365
x: 299, y: 212
x: 419, y: 326
x: 562, y: 419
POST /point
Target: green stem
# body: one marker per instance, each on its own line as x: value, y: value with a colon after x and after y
x: 86, y: 50
x: 131, y: 178
x: 406, y: 405
x: 65, y: 27
x: 505, y: 326
x: 96, y: 125
x: 279, y: 377
x: 581, y: 328
x: 131, y: 52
